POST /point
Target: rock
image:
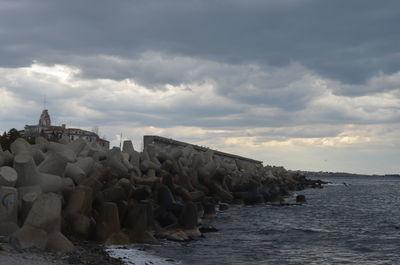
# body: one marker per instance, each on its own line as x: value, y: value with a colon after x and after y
x: 8, y: 176
x: 59, y: 243
x: 301, y: 199
x: 207, y: 228
x: 177, y: 235
x: 8, y: 205
x: 223, y: 206
x: 249, y: 197
x: 188, y: 218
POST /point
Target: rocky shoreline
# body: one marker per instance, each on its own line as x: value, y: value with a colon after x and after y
x: 72, y: 198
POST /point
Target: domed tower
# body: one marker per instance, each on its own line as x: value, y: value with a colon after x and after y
x: 45, y: 119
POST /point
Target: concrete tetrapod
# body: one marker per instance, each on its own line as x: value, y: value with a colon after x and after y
x: 107, y: 222
x: 42, y: 226
x: 8, y: 176
x: 77, y: 146
x: 75, y: 173
x: 27, y: 198
x: 63, y: 150
x: 115, y: 161
x: 54, y: 164
x: 20, y: 145
x: 127, y: 147
x: 8, y: 210
x: 86, y: 164
x: 28, y: 175
x: 137, y: 224
x: 77, y: 210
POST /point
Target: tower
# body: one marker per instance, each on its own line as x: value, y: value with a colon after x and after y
x: 44, y: 120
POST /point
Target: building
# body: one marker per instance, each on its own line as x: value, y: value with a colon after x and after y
x: 54, y: 133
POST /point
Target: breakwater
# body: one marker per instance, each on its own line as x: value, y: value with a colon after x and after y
x: 52, y: 191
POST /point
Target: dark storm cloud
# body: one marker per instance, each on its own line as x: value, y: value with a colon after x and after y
x: 344, y: 40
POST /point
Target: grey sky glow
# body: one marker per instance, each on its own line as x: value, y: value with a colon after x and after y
x: 307, y: 84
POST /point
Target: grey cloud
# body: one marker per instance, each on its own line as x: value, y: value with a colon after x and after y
x: 345, y: 41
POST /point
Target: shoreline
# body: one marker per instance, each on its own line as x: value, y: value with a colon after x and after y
x: 75, y: 197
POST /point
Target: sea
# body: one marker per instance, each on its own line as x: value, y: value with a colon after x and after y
x: 350, y: 221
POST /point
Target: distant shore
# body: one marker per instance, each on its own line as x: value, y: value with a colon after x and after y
x: 319, y: 174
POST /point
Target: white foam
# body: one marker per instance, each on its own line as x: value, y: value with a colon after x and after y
x: 132, y: 256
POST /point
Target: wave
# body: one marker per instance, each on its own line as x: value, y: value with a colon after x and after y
x: 132, y: 256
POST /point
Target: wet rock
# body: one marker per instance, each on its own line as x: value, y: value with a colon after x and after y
x: 223, y: 206
x: 301, y: 199
x: 207, y: 228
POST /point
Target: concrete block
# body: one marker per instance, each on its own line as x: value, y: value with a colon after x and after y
x: 8, y: 204
x: 8, y: 176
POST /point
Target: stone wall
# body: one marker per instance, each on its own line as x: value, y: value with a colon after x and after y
x: 163, y: 142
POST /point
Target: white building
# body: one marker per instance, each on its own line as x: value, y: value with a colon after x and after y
x: 50, y: 132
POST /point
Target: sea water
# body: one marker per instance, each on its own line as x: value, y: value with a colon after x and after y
x: 353, y: 223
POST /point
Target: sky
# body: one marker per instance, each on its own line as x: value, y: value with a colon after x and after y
x: 304, y: 84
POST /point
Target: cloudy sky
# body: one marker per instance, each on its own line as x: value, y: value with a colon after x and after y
x: 306, y: 84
